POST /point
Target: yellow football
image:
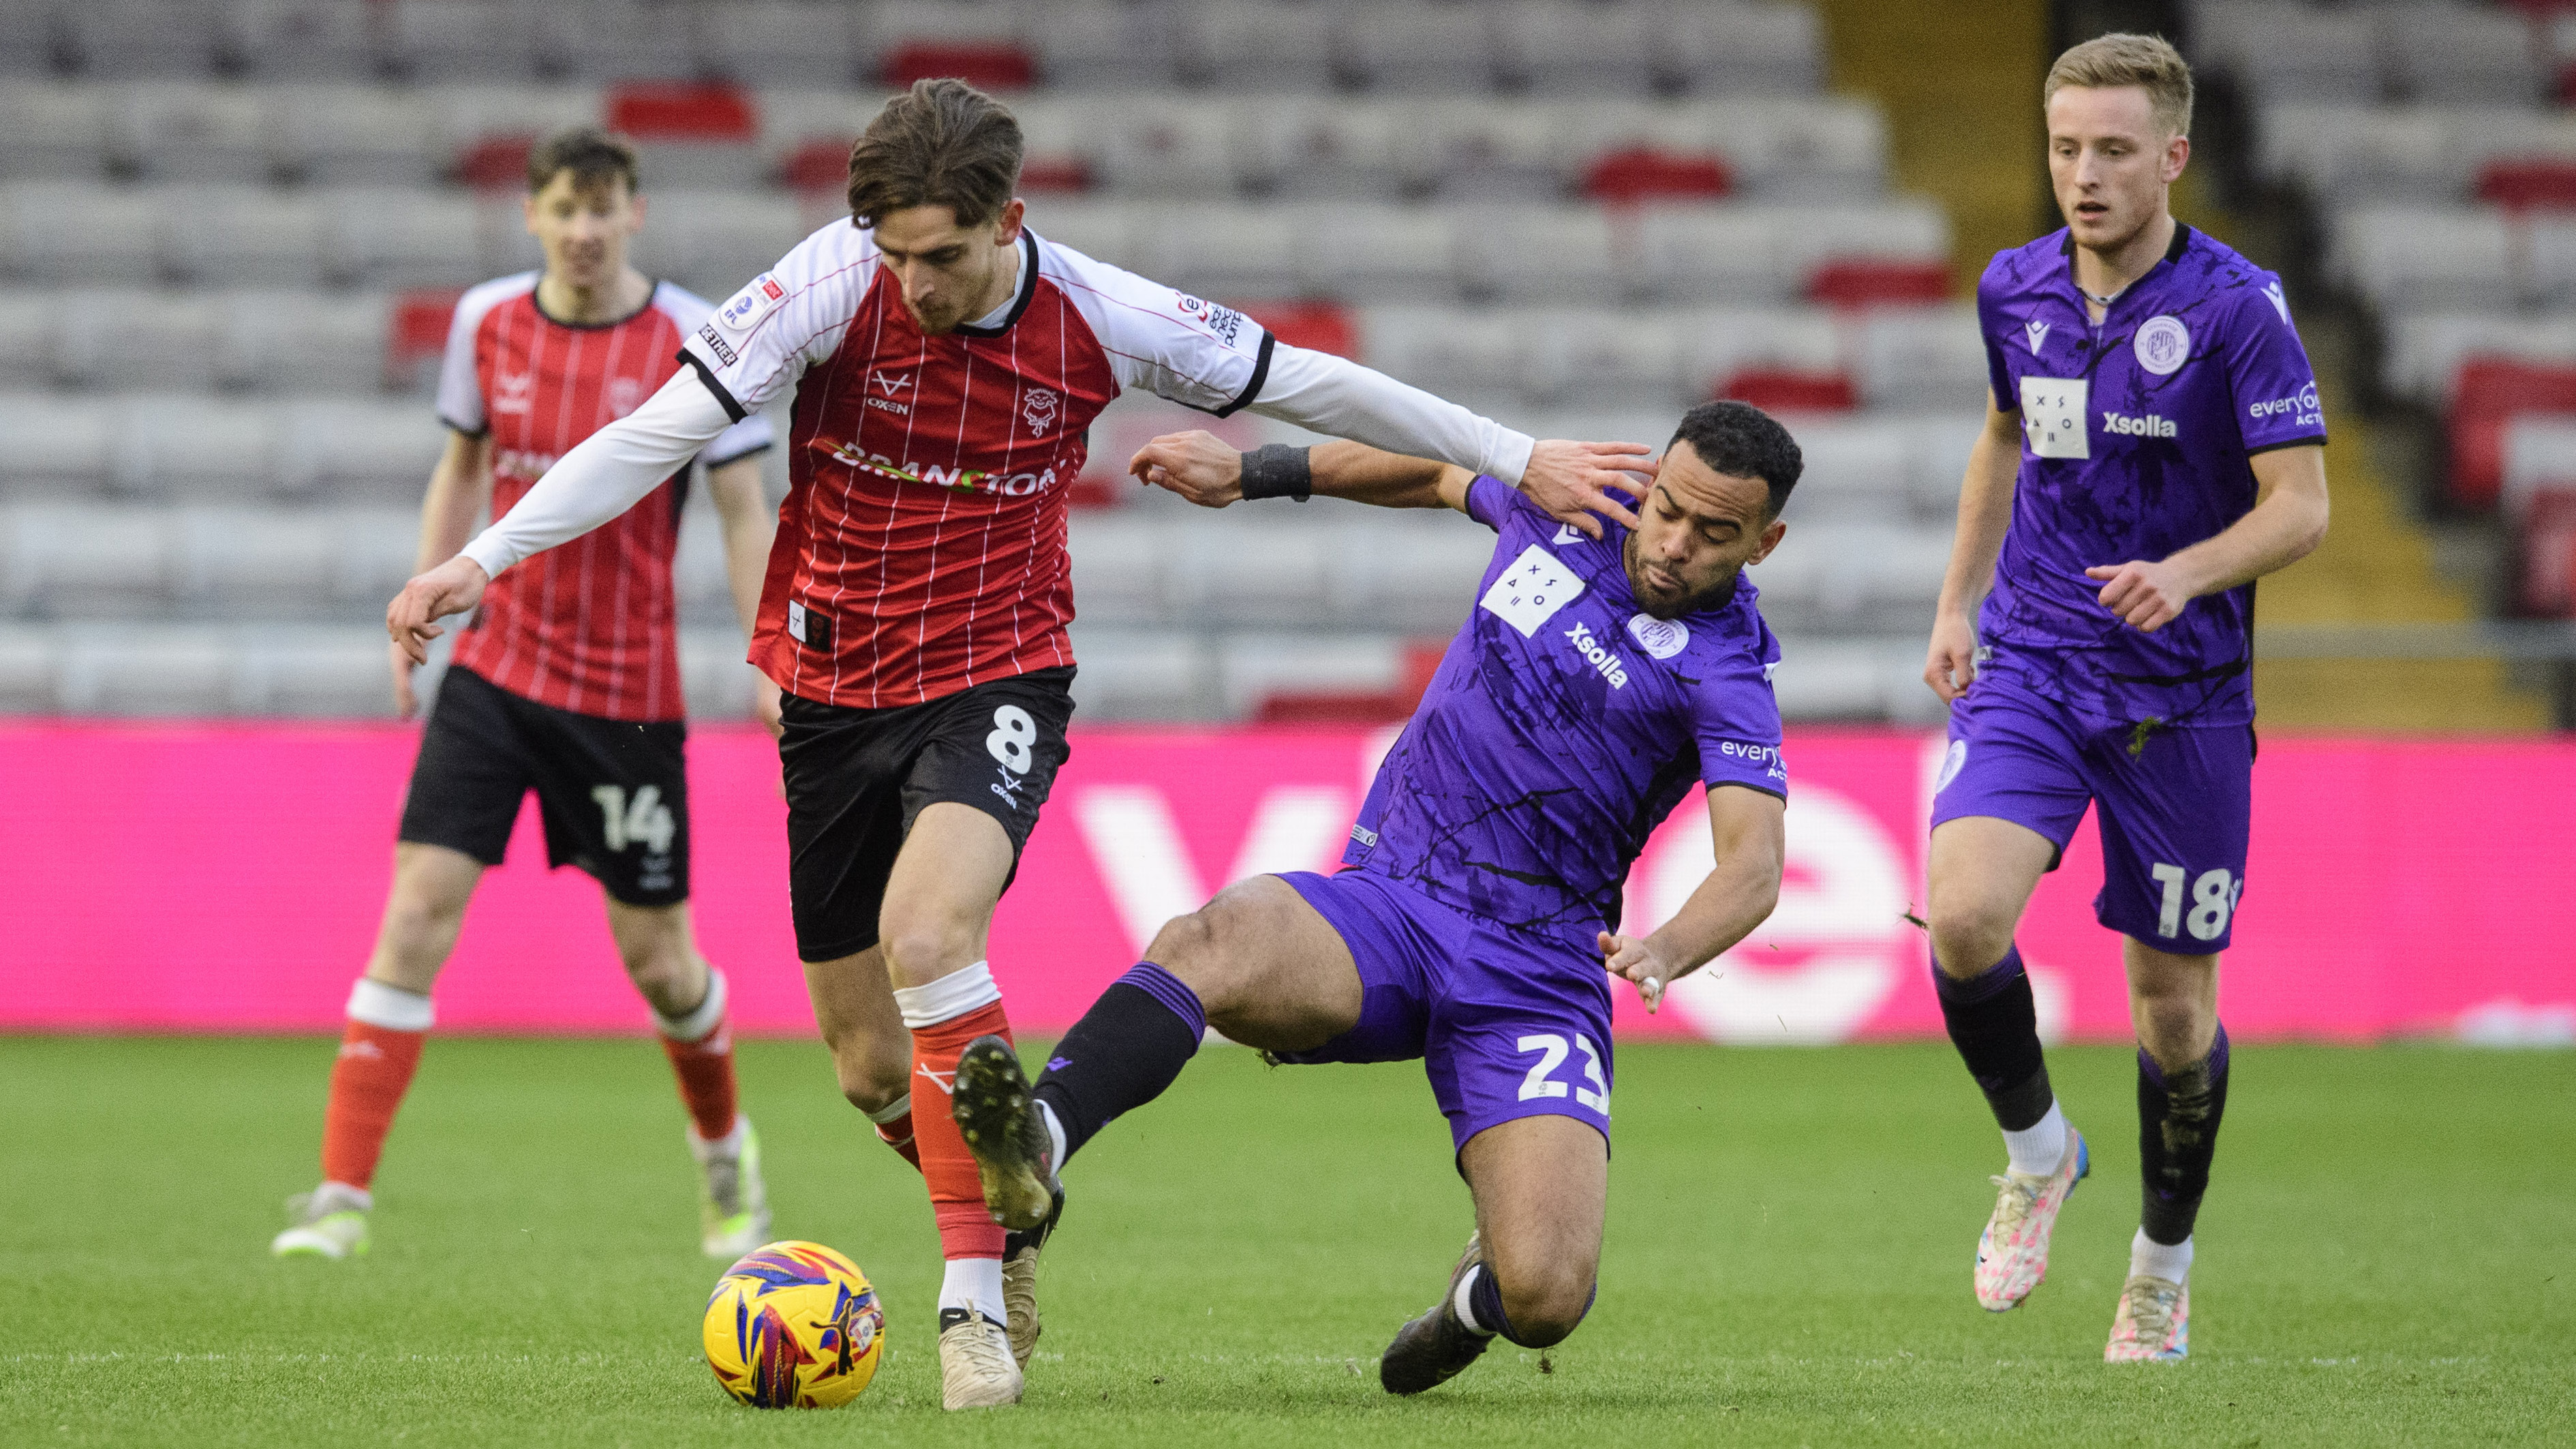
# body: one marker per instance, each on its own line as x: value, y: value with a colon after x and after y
x: 794, y: 1326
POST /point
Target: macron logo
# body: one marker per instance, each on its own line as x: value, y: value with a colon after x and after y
x: 2150, y: 426
x: 2280, y: 303
x: 2035, y: 333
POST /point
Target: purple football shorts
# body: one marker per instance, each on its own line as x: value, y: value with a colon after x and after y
x: 1508, y: 1024
x: 2175, y: 806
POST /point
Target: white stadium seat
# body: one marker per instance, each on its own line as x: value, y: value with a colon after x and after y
x: 785, y: 44
x: 300, y: 40
x: 309, y: 673
x: 30, y: 671
x: 89, y: 562
x: 715, y: 241
x: 1591, y: 356
x: 57, y: 445
x: 63, y: 232
x: 1417, y: 48
x: 131, y: 39
x: 128, y: 340
x: 1246, y: 568
x: 1449, y: 351
x: 1098, y: 45
x: 1712, y: 346
x: 1745, y: 49
x: 1411, y: 572
x: 1475, y: 154
x: 30, y: 321
x: 299, y: 341
x: 472, y: 111
x: 1126, y: 674
x: 1252, y: 667
x: 1932, y: 357
x: 180, y: 447
x: 1314, y: 146
x: 341, y: 135
x: 2406, y: 258
x: 2539, y: 452
x: 1117, y: 566
x: 265, y: 562
x: 1709, y: 254
x: 395, y: 238
x: 619, y: 40
x: 1258, y: 45
x: 715, y: 678
x: 159, y: 672
x: 1562, y: 255
x: 358, y: 449
x: 1372, y: 253
x: 1857, y: 471
x: 54, y: 131
x: 2293, y: 52
x: 460, y: 40
x: 1150, y: 146
x: 1242, y: 251
x: 191, y: 131
x: 2425, y: 349
x: 1561, y: 47
x: 242, y: 235
x: 1103, y: 230
x: 2453, y: 54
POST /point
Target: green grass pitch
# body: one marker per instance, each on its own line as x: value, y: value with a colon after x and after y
x: 2386, y: 1258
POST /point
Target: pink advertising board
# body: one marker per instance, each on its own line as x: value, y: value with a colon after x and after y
x: 222, y: 878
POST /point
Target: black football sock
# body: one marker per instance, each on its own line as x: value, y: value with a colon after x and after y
x: 2178, y: 1114
x: 1124, y: 1052
x: 1995, y: 1025
x: 1485, y: 1304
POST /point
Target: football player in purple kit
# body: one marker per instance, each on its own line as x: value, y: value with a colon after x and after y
x: 1596, y: 680
x: 2153, y: 445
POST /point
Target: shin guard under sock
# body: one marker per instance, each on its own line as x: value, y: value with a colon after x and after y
x: 2178, y: 1115
x: 894, y: 1128
x: 379, y: 1051
x: 1124, y: 1052
x: 944, y: 1016
x: 701, y: 1051
x: 1994, y: 1023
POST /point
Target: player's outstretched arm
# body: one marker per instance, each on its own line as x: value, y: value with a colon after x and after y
x: 1205, y: 469
x: 2286, y: 524
x: 459, y: 488
x: 1573, y: 481
x: 1747, y: 829
x: 742, y: 507
x: 1985, y: 510
x: 599, y: 479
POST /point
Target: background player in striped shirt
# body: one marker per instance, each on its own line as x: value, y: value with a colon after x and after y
x: 2153, y: 445
x: 947, y: 363
x: 566, y: 681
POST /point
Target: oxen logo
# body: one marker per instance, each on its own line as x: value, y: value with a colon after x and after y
x: 889, y: 383
x: 1039, y: 408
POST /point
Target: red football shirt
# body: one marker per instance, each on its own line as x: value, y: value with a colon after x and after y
x: 589, y: 627
x: 922, y: 546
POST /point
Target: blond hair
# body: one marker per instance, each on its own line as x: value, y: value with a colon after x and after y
x: 2122, y: 59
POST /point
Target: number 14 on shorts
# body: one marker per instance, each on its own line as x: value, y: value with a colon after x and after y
x: 2213, y: 900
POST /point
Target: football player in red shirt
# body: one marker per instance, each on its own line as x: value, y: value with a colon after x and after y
x: 947, y: 363
x: 565, y: 682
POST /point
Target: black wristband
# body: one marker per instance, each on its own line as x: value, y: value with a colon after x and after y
x: 1276, y: 470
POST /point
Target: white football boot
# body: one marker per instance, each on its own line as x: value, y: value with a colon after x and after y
x: 2012, y: 1257
x: 2152, y: 1324
x: 976, y: 1370
x: 328, y: 1222
x: 733, y: 1202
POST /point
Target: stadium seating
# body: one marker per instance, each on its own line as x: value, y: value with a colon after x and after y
x: 230, y: 231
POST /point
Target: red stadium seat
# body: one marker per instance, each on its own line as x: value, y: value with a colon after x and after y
x: 494, y: 163
x: 1358, y: 706
x: 419, y: 332
x: 1879, y: 282
x: 1640, y: 174
x: 2529, y: 184
x: 991, y: 65
x: 2487, y: 394
x: 2548, y: 555
x: 1315, y: 326
x: 819, y: 163
x: 1788, y: 390
x: 683, y: 111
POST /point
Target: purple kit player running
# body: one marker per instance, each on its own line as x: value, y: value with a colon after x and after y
x: 2169, y: 453
x: 1596, y: 680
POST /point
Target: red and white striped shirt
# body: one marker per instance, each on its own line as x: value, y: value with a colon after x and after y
x: 589, y: 627
x: 922, y: 546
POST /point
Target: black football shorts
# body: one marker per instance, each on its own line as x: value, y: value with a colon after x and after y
x: 858, y: 778
x: 614, y: 794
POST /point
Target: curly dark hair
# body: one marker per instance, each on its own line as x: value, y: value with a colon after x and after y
x: 942, y: 143
x: 1743, y: 441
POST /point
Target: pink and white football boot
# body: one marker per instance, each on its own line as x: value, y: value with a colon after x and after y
x: 2153, y: 1324
x: 2012, y: 1257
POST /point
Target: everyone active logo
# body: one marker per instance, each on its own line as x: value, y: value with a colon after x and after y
x: 2303, y: 405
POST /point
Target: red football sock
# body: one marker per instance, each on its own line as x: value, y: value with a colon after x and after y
x: 367, y: 1085
x: 896, y: 1132
x: 705, y: 1070
x: 966, y: 1226
x: 700, y: 1046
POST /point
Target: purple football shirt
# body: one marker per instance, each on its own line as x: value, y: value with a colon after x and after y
x: 1563, y: 725
x: 2137, y: 436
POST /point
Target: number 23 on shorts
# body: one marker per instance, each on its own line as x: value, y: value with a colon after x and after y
x: 1551, y: 1050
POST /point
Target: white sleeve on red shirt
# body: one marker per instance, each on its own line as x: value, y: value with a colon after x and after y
x: 605, y: 474
x: 1214, y: 358
x: 688, y: 311
x: 460, y: 388
x: 789, y: 318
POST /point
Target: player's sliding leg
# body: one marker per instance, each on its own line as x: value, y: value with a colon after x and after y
x: 871, y: 1050
x: 1258, y: 963
x: 1541, y: 1186
x: 389, y: 1017
x: 937, y: 915
x: 688, y: 1000
x: 2182, y: 1094
x: 1983, y: 870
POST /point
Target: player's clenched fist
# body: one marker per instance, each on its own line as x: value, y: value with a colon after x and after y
x: 1636, y: 961
x: 2145, y: 596
x: 1573, y: 481
x: 1951, y: 666
x: 1198, y: 465
x: 451, y: 588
